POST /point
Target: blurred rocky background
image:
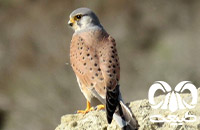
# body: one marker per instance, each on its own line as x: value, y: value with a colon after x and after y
x: 156, y: 40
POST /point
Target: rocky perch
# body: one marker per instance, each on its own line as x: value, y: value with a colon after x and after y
x: 182, y: 119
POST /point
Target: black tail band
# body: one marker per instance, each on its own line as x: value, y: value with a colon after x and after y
x: 111, y: 102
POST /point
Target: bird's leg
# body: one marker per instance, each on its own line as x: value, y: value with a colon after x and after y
x: 100, y: 107
x: 88, y: 108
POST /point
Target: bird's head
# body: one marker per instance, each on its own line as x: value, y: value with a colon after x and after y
x: 83, y: 18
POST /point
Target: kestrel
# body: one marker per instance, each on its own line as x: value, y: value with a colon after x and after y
x: 94, y: 59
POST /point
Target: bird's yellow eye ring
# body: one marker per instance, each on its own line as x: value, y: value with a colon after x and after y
x: 79, y: 16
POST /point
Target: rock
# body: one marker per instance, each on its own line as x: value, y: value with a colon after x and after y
x: 96, y: 120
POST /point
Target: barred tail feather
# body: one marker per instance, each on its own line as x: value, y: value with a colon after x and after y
x: 111, y: 102
x: 115, y: 108
x: 130, y: 122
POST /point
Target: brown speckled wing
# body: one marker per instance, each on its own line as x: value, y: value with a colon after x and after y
x: 109, y: 62
x: 95, y: 62
x: 85, y: 63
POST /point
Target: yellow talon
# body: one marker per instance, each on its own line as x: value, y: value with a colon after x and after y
x: 100, y: 107
x: 88, y: 109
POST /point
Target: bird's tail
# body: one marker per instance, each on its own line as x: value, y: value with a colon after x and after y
x: 116, y: 109
x: 128, y: 120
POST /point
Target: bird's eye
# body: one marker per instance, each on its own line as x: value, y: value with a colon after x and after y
x: 78, y: 16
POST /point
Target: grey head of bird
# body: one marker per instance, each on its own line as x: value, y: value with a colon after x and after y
x: 83, y: 18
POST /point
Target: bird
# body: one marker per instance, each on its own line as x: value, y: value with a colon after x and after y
x: 95, y: 62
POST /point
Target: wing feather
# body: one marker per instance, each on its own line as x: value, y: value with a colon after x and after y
x: 109, y: 62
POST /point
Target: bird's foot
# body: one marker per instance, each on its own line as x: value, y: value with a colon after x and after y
x: 100, y: 107
x: 88, y: 109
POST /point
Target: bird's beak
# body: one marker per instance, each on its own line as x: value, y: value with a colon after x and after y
x: 71, y: 22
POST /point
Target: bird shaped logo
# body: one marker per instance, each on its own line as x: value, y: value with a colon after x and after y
x: 173, y: 101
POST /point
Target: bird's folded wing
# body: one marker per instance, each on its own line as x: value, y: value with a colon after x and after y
x: 85, y: 63
x: 109, y: 62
